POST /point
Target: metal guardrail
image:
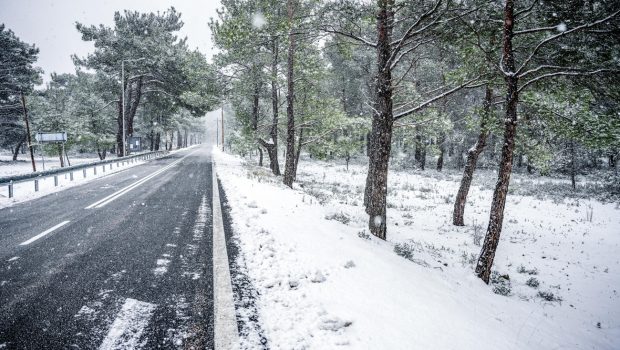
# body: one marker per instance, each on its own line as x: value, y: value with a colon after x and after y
x: 9, y: 181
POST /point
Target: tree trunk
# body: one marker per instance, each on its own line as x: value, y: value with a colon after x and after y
x: 611, y: 161
x: 491, y: 240
x: 119, y: 131
x: 101, y: 153
x: 179, y: 139
x: 254, y: 120
x: 417, y: 154
x: 472, y: 160
x: 152, y: 140
x: 382, y: 123
x: 459, y: 157
x: 573, y: 167
x: 298, y: 150
x: 260, y: 156
x: 442, y: 151
x: 273, y: 149
x: 61, y: 156
x: 289, y: 166
x: 18, y: 146
x: 133, y: 107
x: 28, y: 139
x: 67, y: 157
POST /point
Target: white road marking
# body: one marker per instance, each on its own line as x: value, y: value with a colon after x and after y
x: 49, y: 230
x: 13, y: 259
x: 102, y: 202
x: 128, y: 326
x: 226, y: 333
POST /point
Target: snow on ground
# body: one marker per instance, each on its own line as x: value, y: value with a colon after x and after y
x: 324, y: 282
x: 23, y: 164
x: 25, y: 191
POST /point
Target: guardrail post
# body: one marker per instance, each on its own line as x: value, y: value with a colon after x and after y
x: 95, y: 170
x: 117, y: 164
x: 71, y: 175
x: 36, y: 185
x: 11, y: 189
x: 84, y: 172
x: 110, y: 166
x: 103, y: 168
x: 55, y: 181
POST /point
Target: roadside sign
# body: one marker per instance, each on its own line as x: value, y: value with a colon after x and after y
x: 51, y: 137
x: 135, y: 144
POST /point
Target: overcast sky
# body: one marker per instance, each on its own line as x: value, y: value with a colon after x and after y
x: 50, y: 24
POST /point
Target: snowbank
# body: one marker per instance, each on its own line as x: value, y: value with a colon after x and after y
x: 324, y: 283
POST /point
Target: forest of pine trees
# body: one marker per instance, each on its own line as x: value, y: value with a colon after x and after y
x: 436, y: 85
x: 524, y: 86
x: 166, y: 87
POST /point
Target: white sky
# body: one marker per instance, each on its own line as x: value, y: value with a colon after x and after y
x: 50, y: 24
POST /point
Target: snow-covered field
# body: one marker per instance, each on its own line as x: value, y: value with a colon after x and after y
x: 25, y: 191
x: 323, y: 282
x: 23, y: 165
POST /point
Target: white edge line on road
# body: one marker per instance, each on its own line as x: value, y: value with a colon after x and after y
x: 226, y: 333
x: 49, y: 230
x: 128, y: 326
x: 102, y: 202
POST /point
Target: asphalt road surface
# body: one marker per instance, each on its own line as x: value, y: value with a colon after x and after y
x: 123, y: 261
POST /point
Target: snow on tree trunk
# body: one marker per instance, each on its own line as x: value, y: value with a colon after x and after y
x: 491, y: 240
x: 289, y: 166
x: 472, y: 160
x: 272, y: 149
x: 382, y: 123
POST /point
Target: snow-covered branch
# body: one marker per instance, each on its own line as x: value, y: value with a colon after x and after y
x: 567, y: 73
x: 535, y: 30
x: 330, y: 29
x: 562, y: 34
x: 467, y: 84
x: 408, y: 33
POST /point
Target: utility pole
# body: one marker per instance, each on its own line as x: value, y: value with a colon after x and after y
x: 222, y: 128
x: 217, y: 132
x: 34, y: 166
x: 123, y: 103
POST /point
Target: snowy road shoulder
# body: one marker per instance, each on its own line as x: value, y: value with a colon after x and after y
x: 226, y: 333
